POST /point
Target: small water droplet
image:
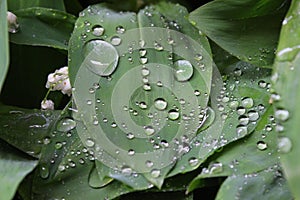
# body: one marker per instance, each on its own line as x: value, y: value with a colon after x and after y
x: 58, y: 145
x: 198, y: 57
x: 143, y: 105
x: 160, y: 104
x: 241, y: 110
x: 89, y: 142
x: 164, y: 143
x: 284, y: 145
x: 126, y: 170
x: 66, y: 125
x: 131, y: 152
x: 234, y: 104
x: 215, y: 168
x: 282, y: 115
x: 115, y: 40
x: 173, y: 114
x: 184, y: 70
x: 197, y: 92
x: 130, y: 136
x: 244, y: 120
x: 44, y: 171
x: 120, y: 29
x: 149, y: 130
x: 147, y: 87
x: 142, y: 52
x: 237, y: 72
x: 155, y: 173
x: 193, y: 161
x: 261, y: 145
x: 158, y: 46
x: 149, y: 163
x: 262, y: 84
x: 143, y: 60
x: 247, y: 102
x: 46, y: 140
x: 97, y: 30
x: 241, y: 130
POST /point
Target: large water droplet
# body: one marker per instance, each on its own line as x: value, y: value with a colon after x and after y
x: 184, y: 70
x: 284, y: 145
x: 160, y: 104
x: 282, y: 115
x: 44, y: 171
x: 97, y: 30
x: 101, y: 57
x: 66, y: 125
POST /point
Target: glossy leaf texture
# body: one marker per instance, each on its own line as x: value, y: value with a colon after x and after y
x: 238, y: 105
x: 246, y: 29
x: 14, y: 5
x: 267, y: 184
x: 14, y: 166
x: 4, y: 53
x: 43, y: 27
x: 137, y: 81
x: 286, y: 96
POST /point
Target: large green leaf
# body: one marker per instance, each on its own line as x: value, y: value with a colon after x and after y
x: 14, y: 5
x: 136, y: 48
x: 265, y: 185
x: 43, y: 27
x: 4, y: 58
x: 286, y: 85
x: 238, y: 106
x: 14, y: 166
x: 248, y: 29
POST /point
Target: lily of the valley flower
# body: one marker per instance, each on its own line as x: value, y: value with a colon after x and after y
x: 12, y: 22
x: 47, y: 105
x: 59, y: 80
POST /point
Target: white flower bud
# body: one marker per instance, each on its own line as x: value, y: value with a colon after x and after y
x: 47, y: 105
x: 12, y: 22
x: 59, y: 80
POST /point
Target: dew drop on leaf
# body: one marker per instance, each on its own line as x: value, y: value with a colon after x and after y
x: 173, y: 114
x: 193, y: 161
x: 253, y: 115
x: 149, y: 163
x: 241, y: 130
x: 149, y: 130
x: 97, y: 30
x: 66, y: 125
x: 155, y: 173
x: 160, y: 104
x: 184, y: 70
x: 281, y: 115
x: 44, y: 171
x: 127, y: 171
x: 247, y: 102
x: 215, y: 168
x: 89, y: 142
x: 115, y: 40
x: 284, y: 145
x: 261, y: 145
x: 120, y: 29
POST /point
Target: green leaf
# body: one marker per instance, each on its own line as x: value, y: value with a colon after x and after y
x: 26, y: 129
x: 286, y: 85
x: 238, y: 106
x: 4, y: 54
x: 267, y: 184
x: 247, y: 29
x: 14, y: 166
x: 157, y: 196
x: 43, y: 27
x: 14, y: 5
x: 111, y: 54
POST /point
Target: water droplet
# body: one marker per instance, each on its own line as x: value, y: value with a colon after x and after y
x: 262, y: 84
x: 244, y: 120
x: 120, y: 29
x: 46, y: 140
x: 66, y: 125
x: 160, y: 104
x: 198, y: 57
x: 115, y: 40
x: 142, y: 52
x: 253, y: 115
x: 241, y: 130
x: 164, y: 143
x: 197, y: 92
x: 97, y: 30
x: 241, y: 110
x: 184, y: 70
x: 234, y: 104
x: 126, y: 170
x: 173, y: 114
x: 44, y: 171
x: 149, y: 130
x: 131, y: 152
x: 284, y: 145
x: 282, y: 115
x: 149, y: 163
x: 89, y: 142
x: 130, y: 136
x: 158, y: 46
x: 155, y: 173
x: 143, y: 60
x: 58, y: 145
x: 143, y: 105
x: 247, y: 102
x: 215, y: 168
x: 261, y: 145
x: 101, y: 57
x: 193, y: 161
x: 237, y: 72
x: 147, y: 87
